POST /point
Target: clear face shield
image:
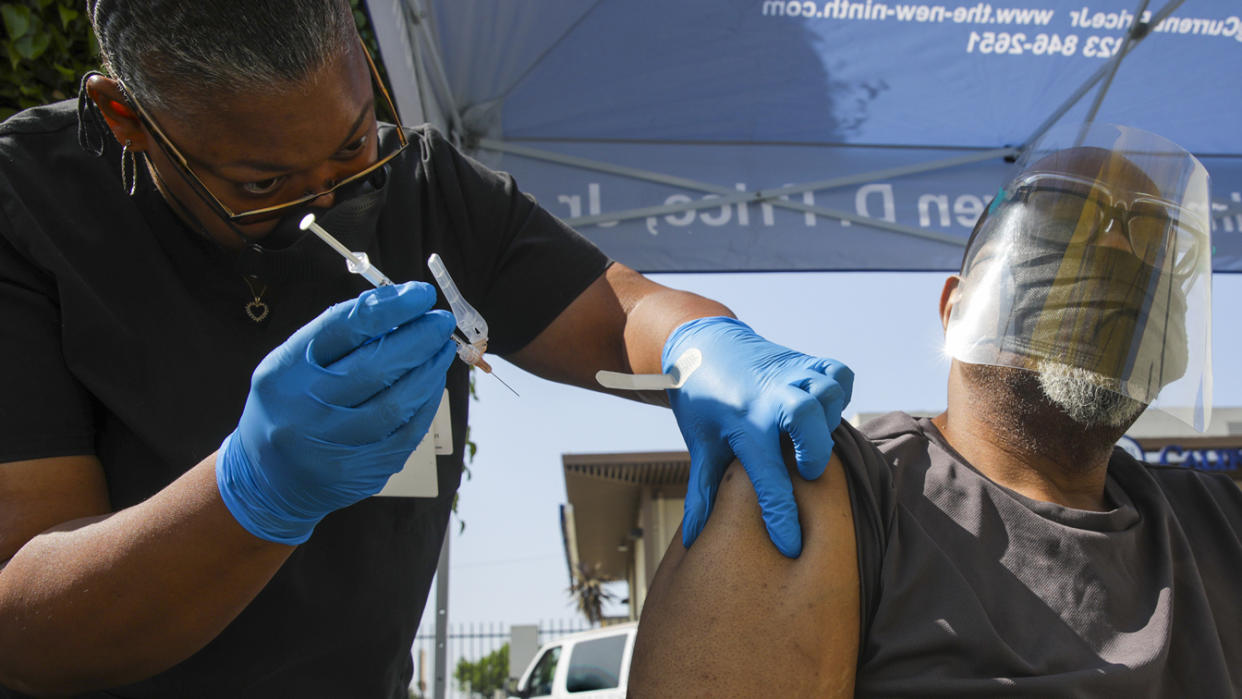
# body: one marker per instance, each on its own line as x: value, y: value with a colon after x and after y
x: 1096, y: 258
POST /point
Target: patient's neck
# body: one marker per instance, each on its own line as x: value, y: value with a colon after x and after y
x: 999, y: 420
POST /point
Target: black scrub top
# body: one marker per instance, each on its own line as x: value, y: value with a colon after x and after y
x: 125, y: 335
x: 970, y: 589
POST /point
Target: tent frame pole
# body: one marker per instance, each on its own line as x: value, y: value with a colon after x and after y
x: 1113, y: 64
x: 438, y: 75
x: 723, y: 196
x: 1107, y: 69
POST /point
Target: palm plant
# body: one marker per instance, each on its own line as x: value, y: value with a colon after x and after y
x: 588, y: 591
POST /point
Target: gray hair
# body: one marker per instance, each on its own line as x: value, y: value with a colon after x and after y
x: 167, y: 52
x: 1079, y: 393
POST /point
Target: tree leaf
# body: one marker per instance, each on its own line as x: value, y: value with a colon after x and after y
x: 39, y: 44
x: 14, y: 58
x: 67, y: 15
x: 16, y: 20
x: 25, y: 46
x: 58, y: 48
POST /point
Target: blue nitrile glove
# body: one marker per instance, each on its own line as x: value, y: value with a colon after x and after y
x: 336, y: 410
x: 746, y: 392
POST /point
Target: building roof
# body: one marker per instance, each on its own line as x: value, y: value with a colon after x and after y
x: 605, y: 492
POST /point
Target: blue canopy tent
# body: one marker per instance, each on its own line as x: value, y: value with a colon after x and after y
x: 749, y: 135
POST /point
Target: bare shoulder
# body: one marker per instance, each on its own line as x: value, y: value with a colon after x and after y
x: 731, y: 616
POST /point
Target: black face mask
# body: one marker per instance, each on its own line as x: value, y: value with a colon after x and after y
x: 1100, y: 309
x: 289, y: 254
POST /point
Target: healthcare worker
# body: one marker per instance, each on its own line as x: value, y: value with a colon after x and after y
x: 189, y: 440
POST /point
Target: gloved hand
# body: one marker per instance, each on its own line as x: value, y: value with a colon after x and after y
x: 336, y: 410
x: 746, y: 392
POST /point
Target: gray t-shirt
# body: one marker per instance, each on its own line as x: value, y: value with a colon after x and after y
x: 970, y: 589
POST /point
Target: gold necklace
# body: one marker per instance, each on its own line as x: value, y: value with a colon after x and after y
x: 256, y: 309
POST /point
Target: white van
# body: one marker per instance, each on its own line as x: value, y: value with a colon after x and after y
x: 588, y: 665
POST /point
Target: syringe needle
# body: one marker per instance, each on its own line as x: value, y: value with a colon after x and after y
x: 472, y: 356
x: 502, y: 383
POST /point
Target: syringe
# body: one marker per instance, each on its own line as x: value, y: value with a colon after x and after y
x: 356, y: 261
x: 468, y: 320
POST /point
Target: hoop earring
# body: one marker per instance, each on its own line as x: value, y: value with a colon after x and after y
x: 129, y: 169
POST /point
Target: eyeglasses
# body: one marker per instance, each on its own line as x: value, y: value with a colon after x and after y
x: 266, y: 213
x: 1068, y: 209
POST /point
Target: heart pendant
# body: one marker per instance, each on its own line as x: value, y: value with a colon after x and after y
x: 256, y: 310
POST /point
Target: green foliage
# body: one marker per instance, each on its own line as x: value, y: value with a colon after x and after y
x: 472, y: 448
x: 363, y: 19
x: 486, y: 675
x: 49, y: 46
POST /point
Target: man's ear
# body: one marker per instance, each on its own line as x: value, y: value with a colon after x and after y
x: 122, y: 119
x: 948, y: 297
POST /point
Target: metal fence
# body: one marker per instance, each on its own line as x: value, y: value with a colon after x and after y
x: 471, y: 642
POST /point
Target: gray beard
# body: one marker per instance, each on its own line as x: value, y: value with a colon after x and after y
x: 1076, y: 392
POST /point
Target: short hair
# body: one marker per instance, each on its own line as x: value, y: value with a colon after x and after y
x: 170, y: 52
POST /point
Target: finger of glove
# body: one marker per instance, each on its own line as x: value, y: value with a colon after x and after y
x: 708, y: 462
x: 388, y: 410
x: 831, y: 383
x: 801, y: 416
x: 367, y: 476
x: 837, y: 372
x: 760, y: 453
x: 347, y: 326
x: 831, y: 394
x: 414, y: 431
x: 375, y: 366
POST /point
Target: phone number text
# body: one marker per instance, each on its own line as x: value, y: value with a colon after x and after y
x: 1019, y: 44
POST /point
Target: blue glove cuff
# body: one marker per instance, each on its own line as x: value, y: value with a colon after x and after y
x: 682, y: 334
x: 252, y: 502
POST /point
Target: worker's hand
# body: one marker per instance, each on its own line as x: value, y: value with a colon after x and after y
x: 746, y: 392
x: 336, y: 410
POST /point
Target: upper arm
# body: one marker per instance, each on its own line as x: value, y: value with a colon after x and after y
x: 618, y: 323
x: 38, y: 494
x: 590, y: 327
x: 731, y: 616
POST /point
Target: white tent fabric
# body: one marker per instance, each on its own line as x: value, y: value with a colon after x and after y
x: 729, y: 135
